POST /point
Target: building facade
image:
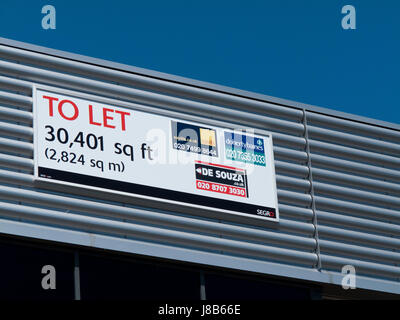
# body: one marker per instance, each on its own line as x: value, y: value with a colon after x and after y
x: 338, y: 191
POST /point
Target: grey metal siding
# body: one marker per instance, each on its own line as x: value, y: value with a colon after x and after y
x: 338, y: 179
x: 358, y: 210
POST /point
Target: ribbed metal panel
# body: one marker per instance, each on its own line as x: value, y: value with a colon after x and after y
x: 356, y: 181
x: 15, y: 100
x: 15, y: 115
x: 358, y: 204
x: 145, y: 82
x: 353, y: 140
x: 354, y: 153
x: 354, y: 168
x: 290, y: 241
x: 353, y: 127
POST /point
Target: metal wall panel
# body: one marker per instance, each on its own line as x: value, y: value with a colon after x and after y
x: 358, y: 210
x: 334, y: 210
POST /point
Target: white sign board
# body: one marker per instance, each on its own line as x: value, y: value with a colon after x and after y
x: 84, y: 142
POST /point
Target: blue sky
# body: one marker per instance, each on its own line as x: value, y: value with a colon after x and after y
x: 284, y: 48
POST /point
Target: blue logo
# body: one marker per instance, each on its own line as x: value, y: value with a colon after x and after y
x: 243, y: 148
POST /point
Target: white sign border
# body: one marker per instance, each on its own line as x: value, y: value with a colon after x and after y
x: 141, y: 108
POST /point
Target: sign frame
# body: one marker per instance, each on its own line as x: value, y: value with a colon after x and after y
x: 222, y: 124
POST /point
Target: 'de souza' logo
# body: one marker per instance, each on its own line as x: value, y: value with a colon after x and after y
x: 244, y: 148
x: 213, y: 177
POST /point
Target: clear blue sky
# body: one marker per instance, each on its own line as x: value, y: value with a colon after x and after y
x: 285, y: 48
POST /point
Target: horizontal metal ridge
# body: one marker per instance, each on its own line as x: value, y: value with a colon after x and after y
x: 355, y: 195
x: 16, y: 162
x: 288, y: 140
x: 17, y: 178
x: 354, y: 154
x: 373, y: 240
x: 351, y: 250
x: 297, y: 212
x: 356, y: 181
x: 284, y: 182
x: 16, y: 100
x: 16, y: 85
x: 146, y: 82
x: 282, y: 167
x: 301, y: 199
x: 295, y: 226
x: 362, y: 267
x: 368, y: 211
x: 16, y: 147
x: 118, y: 228
x: 356, y: 127
x: 354, y: 140
x: 370, y: 225
x: 17, y: 131
x: 114, y: 211
x: 354, y: 167
x: 135, y: 95
x: 289, y: 154
x: 16, y: 115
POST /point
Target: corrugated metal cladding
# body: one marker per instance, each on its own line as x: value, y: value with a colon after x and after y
x: 338, y: 182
